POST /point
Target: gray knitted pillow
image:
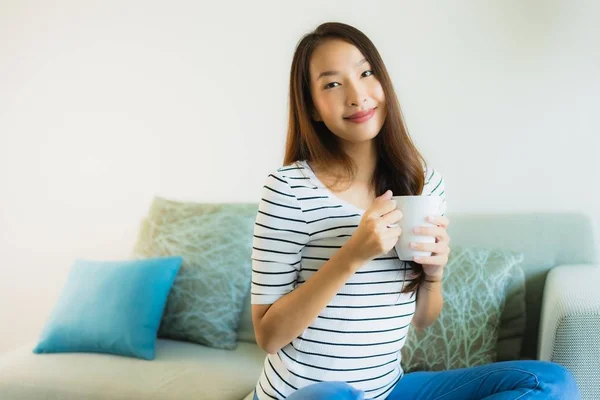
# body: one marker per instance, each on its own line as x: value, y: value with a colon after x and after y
x: 215, y: 241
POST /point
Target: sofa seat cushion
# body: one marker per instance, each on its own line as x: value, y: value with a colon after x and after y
x: 180, y: 371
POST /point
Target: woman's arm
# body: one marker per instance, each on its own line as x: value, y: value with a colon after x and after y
x: 429, y: 295
x: 430, y: 299
x: 429, y: 302
x: 279, y: 323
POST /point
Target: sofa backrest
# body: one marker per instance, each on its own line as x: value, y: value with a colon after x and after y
x: 546, y: 240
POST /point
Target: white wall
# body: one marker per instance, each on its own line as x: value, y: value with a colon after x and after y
x: 103, y: 106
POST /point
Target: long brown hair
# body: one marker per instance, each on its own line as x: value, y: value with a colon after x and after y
x: 400, y: 166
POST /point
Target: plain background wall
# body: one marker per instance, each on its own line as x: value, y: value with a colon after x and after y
x: 103, y: 106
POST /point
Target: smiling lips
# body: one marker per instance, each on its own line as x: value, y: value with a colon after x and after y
x: 361, y: 116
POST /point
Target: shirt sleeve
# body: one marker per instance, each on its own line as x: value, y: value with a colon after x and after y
x: 280, y: 234
x: 434, y: 186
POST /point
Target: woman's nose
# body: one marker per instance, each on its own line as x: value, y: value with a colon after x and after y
x: 356, y: 95
x: 358, y: 102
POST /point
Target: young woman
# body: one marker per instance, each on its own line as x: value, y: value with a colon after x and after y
x: 332, y: 303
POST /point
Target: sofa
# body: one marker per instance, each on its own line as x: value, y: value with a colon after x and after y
x: 562, y: 325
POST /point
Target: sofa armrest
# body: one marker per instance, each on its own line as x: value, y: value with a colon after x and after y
x: 570, y: 324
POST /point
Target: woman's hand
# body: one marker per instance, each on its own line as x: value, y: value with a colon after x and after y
x: 433, y: 266
x: 374, y: 235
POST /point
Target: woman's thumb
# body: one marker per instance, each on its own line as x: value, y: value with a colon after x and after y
x: 387, y: 194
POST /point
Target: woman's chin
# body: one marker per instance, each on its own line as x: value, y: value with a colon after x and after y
x: 356, y: 139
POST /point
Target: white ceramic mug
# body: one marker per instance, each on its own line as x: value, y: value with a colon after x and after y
x: 415, y: 210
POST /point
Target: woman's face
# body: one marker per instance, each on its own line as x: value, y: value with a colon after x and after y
x: 342, y: 84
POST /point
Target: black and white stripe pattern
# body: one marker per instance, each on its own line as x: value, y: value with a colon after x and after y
x: 357, y: 338
x: 434, y: 186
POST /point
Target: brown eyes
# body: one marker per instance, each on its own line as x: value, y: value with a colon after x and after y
x: 369, y: 71
x: 365, y: 74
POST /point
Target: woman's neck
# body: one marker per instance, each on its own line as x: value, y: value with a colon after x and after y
x: 364, y: 156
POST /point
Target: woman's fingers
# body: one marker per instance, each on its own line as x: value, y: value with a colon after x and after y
x: 381, y: 206
x: 393, y: 231
x: 435, y: 248
x: 391, y: 217
x: 437, y: 232
x: 441, y: 221
x: 432, y: 260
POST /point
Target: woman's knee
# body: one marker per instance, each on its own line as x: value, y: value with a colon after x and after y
x: 555, y: 380
x: 563, y: 381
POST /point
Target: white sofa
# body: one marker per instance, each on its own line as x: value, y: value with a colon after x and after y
x: 563, y: 325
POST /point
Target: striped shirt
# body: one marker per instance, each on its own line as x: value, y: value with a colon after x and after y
x: 358, y: 336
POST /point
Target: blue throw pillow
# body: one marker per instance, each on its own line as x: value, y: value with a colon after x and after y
x: 110, y: 307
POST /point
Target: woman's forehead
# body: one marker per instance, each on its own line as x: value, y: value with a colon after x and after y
x: 335, y: 55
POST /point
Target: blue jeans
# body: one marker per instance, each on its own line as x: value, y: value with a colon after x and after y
x: 507, y: 380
